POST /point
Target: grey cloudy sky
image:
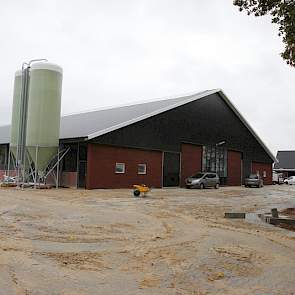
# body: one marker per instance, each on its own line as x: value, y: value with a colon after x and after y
x: 115, y: 52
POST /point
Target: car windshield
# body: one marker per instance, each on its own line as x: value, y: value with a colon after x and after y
x: 198, y: 175
x: 253, y: 176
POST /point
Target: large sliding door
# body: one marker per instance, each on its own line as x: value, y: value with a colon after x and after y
x: 82, y: 174
x: 171, y: 169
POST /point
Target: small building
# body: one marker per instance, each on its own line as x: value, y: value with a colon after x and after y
x: 285, y: 163
x: 158, y: 143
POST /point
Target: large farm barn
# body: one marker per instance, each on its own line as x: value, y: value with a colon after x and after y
x: 158, y: 143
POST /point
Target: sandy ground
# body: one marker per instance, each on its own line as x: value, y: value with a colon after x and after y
x: 176, y: 241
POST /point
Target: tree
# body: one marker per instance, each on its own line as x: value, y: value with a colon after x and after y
x: 282, y: 13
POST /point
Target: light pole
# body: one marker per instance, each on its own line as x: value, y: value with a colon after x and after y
x: 216, y: 146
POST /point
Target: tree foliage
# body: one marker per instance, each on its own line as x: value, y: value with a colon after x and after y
x: 282, y: 13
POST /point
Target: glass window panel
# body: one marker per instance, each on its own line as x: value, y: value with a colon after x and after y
x: 120, y: 168
x: 215, y: 159
x: 141, y: 169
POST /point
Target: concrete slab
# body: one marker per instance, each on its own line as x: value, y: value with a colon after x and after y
x: 277, y: 220
x: 234, y: 215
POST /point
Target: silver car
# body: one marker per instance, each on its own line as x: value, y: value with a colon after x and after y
x: 202, y: 180
x: 254, y: 180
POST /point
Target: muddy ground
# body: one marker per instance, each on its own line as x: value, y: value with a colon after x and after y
x: 176, y: 241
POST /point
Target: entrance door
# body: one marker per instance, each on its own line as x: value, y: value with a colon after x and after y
x: 171, y: 169
x: 82, y: 174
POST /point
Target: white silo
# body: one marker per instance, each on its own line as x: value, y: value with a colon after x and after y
x: 16, y: 106
x: 43, y: 120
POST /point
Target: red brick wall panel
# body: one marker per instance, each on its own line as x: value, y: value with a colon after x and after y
x: 101, y: 161
x: 234, y: 168
x: 191, y: 160
x: 69, y: 179
x: 261, y: 167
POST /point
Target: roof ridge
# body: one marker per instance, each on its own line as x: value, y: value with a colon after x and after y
x: 134, y: 103
x: 185, y: 99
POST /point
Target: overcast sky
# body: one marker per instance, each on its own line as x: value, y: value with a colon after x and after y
x: 115, y: 52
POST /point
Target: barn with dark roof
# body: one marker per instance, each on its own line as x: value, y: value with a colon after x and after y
x: 158, y: 143
x: 285, y: 163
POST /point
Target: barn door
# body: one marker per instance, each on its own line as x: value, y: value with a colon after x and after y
x: 171, y: 169
x: 82, y: 174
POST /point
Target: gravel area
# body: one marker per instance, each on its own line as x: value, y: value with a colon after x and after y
x: 174, y: 241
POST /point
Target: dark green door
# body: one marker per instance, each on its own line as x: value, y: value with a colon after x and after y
x: 82, y: 174
x: 171, y: 169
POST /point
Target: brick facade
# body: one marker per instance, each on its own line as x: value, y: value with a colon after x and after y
x: 69, y: 179
x: 101, y: 167
x: 191, y: 160
x: 234, y: 168
x: 261, y: 168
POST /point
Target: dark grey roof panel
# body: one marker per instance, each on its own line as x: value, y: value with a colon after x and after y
x: 286, y: 160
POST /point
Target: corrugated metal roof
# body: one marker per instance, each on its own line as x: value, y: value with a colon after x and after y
x: 88, y: 123
x: 99, y: 122
x: 95, y: 123
x: 286, y: 160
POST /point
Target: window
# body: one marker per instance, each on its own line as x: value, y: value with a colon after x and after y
x: 120, y: 168
x: 264, y: 173
x: 198, y: 175
x: 210, y: 175
x: 215, y: 159
x: 141, y: 169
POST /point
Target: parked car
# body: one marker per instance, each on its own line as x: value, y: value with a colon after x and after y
x: 290, y: 180
x: 254, y: 180
x: 202, y: 180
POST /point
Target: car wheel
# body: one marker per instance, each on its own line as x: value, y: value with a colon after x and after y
x: 136, y: 193
x: 187, y: 186
x: 217, y: 185
x: 202, y: 186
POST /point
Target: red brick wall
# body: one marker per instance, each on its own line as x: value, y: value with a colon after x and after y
x: 69, y: 179
x: 234, y: 166
x: 101, y: 161
x: 256, y: 166
x: 191, y: 160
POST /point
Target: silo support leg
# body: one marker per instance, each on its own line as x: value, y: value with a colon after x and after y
x: 57, y: 168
